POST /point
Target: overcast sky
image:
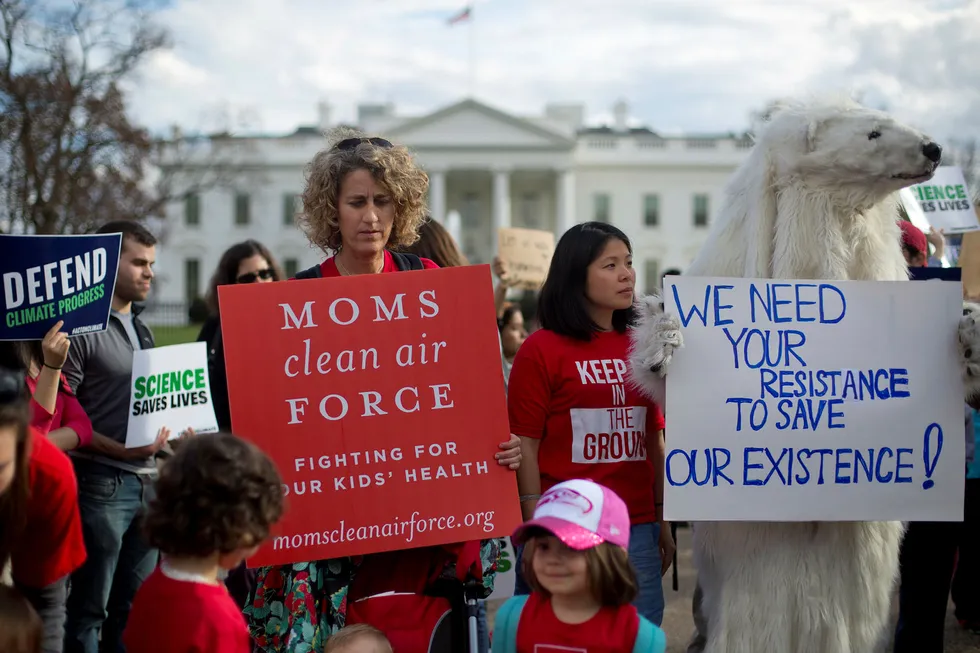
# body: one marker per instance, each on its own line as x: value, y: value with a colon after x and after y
x: 682, y: 65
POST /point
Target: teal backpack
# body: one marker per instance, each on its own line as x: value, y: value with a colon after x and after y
x: 649, y: 639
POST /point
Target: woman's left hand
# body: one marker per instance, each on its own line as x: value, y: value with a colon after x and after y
x: 54, y: 347
x: 667, y: 547
x: 511, y: 454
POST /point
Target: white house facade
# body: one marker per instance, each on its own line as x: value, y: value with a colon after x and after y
x: 493, y: 168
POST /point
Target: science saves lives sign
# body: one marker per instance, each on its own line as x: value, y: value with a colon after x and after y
x: 381, y: 400
x: 814, y: 401
x: 51, y: 278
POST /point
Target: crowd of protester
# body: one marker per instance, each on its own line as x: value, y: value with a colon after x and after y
x: 109, y: 548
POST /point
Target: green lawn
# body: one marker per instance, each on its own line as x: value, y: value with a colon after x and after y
x: 174, y: 335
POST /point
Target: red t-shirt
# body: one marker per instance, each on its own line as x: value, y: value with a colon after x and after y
x: 67, y: 413
x: 329, y: 267
x: 611, y: 630
x: 575, y: 397
x: 182, y: 616
x: 52, y: 545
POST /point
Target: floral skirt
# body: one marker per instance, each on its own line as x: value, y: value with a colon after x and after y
x: 296, y: 608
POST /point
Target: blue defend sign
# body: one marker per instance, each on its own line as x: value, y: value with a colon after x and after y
x: 50, y: 278
x: 814, y: 401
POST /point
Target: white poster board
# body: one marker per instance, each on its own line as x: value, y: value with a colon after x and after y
x: 944, y: 200
x: 170, y: 387
x: 854, y: 411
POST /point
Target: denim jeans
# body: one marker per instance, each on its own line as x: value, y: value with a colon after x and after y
x: 644, y: 553
x: 112, y: 503
x: 482, y: 628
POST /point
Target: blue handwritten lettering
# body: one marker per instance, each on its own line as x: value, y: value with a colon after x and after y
x: 823, y: 304
x: 687, y: 459
x: 802, y: 302
x: 719, y: 307
x: 702, y: 314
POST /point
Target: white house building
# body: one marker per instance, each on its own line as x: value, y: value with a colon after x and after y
x: 496, y: 169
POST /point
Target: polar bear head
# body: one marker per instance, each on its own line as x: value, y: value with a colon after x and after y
x: 819, y: 168
x: 858, y: 155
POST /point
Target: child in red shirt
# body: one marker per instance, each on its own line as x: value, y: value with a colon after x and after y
x: 575, y: 559
x: 216, y: 501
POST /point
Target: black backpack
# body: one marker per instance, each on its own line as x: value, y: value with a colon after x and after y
x: 402, y: 261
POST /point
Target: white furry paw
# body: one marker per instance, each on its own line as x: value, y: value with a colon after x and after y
x: 969, y: 345
x: 653, y: 341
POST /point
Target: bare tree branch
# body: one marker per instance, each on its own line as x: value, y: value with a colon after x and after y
x: 70, y: 157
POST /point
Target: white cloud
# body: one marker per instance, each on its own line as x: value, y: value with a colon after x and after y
x: 683, y: 65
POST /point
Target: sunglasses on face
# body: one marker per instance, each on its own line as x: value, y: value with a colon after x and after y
x: 351, y: 143
x: 250, y: 277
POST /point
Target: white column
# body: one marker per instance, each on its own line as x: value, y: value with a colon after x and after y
x: 501, y: 203
x: 437, y: 195
x: 565, y: 202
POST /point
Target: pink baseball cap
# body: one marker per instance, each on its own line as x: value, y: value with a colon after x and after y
x: 582, y: 514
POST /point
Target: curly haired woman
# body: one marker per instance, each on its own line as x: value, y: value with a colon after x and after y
x: 364, y: 198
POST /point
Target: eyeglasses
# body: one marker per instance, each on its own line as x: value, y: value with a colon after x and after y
x: 11, y: 385
x: 250, y: 277
x: 351, y: 143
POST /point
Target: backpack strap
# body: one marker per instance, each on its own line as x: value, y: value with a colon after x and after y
x: 505, y: 625
x: 310, y: 273
x: 407, y: 261
x: 649, y: 638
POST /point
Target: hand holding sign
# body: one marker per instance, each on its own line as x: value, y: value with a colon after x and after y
x: 55, y: 346
x: 170, y: 385
x: 47, y: 279
x: 511, y: 454
x: 380, y: 398
x: 146, y: 451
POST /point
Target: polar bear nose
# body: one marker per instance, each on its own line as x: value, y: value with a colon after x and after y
x: 932, y: 151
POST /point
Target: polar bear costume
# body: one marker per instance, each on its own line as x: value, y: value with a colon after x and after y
x: 816, y: 198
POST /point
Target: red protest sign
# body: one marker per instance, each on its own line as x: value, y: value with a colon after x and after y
x: 381, y: 400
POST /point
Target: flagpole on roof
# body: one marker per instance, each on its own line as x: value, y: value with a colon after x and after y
x: 471, y: 81
x: 466, y: 15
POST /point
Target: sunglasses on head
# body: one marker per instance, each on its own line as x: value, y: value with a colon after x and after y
x: 250, y: 277
x: 351, y: 143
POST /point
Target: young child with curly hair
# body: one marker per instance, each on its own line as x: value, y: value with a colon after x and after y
x: 216, y: 500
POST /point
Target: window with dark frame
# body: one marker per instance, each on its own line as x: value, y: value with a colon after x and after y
x: 290, y: 206
x: 651, y: 210
x: 192, y: 209
x: 700, y: 210
x: 601, y: 207
x: 242, y: 208
x: 192, y: 279
x: 651, y: 275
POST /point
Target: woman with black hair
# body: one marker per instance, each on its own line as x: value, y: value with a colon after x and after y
x: 573, y: 408
x: 245, y: 262
x: 513, y: 333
